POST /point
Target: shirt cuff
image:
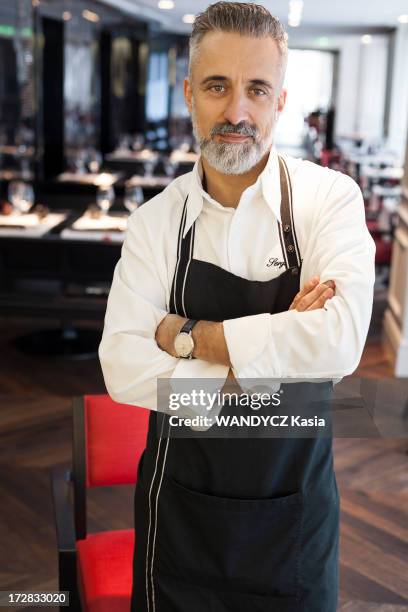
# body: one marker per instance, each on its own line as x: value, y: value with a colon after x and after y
x: 246, y: 338
x: 198, y: 368
x: 197, y: 374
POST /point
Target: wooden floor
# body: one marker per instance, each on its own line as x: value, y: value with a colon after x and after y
x: 35, y: 433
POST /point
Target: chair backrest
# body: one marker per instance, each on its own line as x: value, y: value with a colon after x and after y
x: 108, y: 441
x: 383, y: 250
x: 113, y: 438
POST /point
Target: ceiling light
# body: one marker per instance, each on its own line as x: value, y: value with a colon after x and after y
x: 403, y: 18
x: 188, y: 18
x: 90, y: 16
x: 166, y: 4
x: 66, y: 15
x: 366, y: 39
x: 294, y: 23
x: 296, y: 6
x: 295, y: 13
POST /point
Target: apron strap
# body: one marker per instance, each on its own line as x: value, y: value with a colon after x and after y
x: 185, y: 248
x: 287, y: 234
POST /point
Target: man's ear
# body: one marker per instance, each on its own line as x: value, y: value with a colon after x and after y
x: 282, y: 100
x: 188, y: 94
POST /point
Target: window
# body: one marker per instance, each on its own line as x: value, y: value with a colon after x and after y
x: 308, y: 80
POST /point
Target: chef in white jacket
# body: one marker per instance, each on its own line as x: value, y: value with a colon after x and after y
x: 222, y: 276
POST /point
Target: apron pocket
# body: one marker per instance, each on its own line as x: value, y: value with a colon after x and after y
x: 246, y: 546
x: 174, y: 595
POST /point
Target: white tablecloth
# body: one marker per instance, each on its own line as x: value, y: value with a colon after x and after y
x: 149, y: 181
x: 89, y: 178
x: 33, y: 227
x: 108, y: 227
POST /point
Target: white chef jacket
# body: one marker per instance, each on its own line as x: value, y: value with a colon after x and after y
x: 334, y: 243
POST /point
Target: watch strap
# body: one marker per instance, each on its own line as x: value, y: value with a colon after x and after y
x: 188, y: 326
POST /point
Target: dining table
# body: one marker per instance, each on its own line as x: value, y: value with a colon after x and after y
x: 62, y: 271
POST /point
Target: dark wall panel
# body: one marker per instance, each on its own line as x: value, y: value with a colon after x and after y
x: 53, y: 96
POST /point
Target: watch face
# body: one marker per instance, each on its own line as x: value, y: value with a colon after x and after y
x: 183, y: 344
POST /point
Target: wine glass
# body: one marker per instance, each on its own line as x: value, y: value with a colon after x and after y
x: 138, y: 142
x: 170, y: 167
x: 125, y: 142
x: 25, y: 168
x: 185, y: 144
x: 21, y: 196
x: 134, y: 197
x: 80, y: 161
x: 105, y: 197
x: 149, y: 165
x: 94, y: 161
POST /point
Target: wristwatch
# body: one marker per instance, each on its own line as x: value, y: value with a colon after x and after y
x: 183, y: 342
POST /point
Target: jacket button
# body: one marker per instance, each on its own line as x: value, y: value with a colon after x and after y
x: 286, y: 228
x: 290, y: 248
x: 295, y: 271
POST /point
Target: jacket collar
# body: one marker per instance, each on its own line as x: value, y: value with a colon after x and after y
x: 267, y: 185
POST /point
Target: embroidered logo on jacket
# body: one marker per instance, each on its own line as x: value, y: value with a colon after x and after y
x: 274, y: 261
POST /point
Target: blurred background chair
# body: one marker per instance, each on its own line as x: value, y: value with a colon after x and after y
x: 108, y: 441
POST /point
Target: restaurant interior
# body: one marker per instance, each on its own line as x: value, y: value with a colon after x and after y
x: 93, y: 124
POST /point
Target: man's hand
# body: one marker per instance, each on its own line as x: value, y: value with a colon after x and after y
x: 167, y: 331
x: 313, y: 295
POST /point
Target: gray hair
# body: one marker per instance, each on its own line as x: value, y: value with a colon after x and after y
x: 245, y: 18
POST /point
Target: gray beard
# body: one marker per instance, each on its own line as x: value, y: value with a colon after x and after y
x: 232, y: 158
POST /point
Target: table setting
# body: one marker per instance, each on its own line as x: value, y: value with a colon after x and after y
x: 150, y: 158
x: 95, y: 179
x: 97, y: 223
x: 95, y: 226
x: 391, y: 173
x: 19, y: 217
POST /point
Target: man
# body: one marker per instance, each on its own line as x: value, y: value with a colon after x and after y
x: 219, y: 280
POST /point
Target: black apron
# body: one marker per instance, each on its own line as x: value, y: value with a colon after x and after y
x: 236, y: 524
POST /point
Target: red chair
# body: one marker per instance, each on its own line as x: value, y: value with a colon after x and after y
x: 381, y: 222
x: 108, y: 441
x: 383, y: 251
